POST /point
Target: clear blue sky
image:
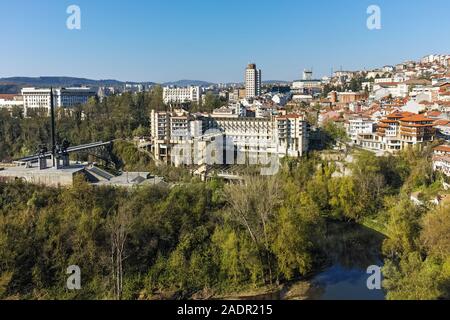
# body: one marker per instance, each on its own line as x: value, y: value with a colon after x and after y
x: 213, y: 40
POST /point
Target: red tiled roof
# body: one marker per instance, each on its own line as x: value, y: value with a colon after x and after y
x: 400, y: 115
x: 434, y: 114
x: 443, y: 148
x: 416, y: 118
x: 441, y: 122
x: 8, y: 96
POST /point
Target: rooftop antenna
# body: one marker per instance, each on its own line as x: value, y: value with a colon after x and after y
x: 52, y: 112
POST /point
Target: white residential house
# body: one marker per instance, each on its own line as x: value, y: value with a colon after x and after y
x: 413, y: 107
x: 358, y: 126
x: 441, y: 159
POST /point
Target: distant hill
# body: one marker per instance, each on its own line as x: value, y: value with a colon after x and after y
x: 14, y: 84
x: 186, y: 83
x: 7, y: 88
x: 18, y: 82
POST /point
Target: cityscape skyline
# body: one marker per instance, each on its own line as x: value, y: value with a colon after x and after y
x: 144, y: 46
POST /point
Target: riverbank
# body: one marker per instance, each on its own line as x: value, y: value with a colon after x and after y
x: 351, y: 249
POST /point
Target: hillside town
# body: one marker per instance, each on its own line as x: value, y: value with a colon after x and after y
x: 383, y: 110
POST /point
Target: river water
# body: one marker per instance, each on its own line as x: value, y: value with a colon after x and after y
x: 350, y: 250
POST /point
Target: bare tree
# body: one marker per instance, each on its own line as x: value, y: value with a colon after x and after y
x: 119, y: 227
x: 253, y: 205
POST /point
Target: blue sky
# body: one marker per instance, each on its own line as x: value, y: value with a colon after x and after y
x: 161, y: 40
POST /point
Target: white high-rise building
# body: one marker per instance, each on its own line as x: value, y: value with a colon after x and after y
x: 252, y: 81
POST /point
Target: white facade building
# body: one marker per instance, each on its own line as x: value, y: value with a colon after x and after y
x: 182, y: 95
x: 441, y: 159
x: 252, y: 81
x: 9, y: 103
x: 359, y: 126
x: 34, y: 98
x: 249, y: 137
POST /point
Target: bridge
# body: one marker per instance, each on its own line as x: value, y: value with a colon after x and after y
x: 77, y: 149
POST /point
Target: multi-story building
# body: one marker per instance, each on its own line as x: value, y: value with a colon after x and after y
x: 388, y: 130
x: 349, y: 97
x: 359, y: 126
x: 307, y: 85
x: 39, y: 99
x: 248, y: 137
x: 292, y: 135
x: 10, y: 101
x: 182, y: 94
x: 394, y: 89
x: 441, y: 159
x: 252, y: 81
x: 398, y: 131
x: 416, y: 129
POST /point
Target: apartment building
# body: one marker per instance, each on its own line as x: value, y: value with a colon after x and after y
x: 182, y: 94
x: 39, y: 98
x: 292, y: 135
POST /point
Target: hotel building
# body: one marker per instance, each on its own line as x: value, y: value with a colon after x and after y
x: 282, y: 135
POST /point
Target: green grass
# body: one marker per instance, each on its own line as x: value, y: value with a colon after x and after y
x: 374, y: 224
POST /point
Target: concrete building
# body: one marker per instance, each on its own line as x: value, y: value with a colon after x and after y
x: 49, y: 176
x: 252, y: 81
x: 182, y: 94
x: 39, y: 99
x: 349, y: 97
x: 249, y: 137
x: 399, y: 131
x: 64, y: 175
x: 359, y: 126
x: 10, y: 101
x: 441, y: 159
x: 307, y: 86
x: 394, y: 89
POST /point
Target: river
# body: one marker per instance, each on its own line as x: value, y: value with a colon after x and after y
x: 350, y: 249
